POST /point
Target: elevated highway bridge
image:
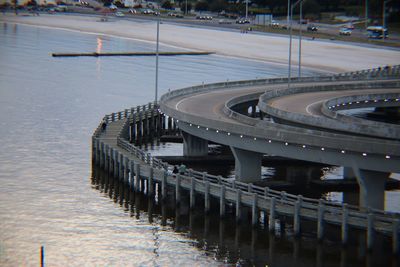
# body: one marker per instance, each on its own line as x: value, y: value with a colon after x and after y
x: 301, y: 122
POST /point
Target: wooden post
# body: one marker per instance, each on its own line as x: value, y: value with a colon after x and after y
x: 121, y: 167
x: 192, y: 192
x: 132, y: 171
x: 370, y: 231
x: 107, y: 159
x: 222, y: 202
x: 151, y: 182
x: 177, y: 189
x: 250, y: 188
x: 137, y: 177
x: 272, y: 215
x: 320, y: 224
x: 266, y: 191
x: 238, y: 205
x: 164, y: 186
x: 395, y: 237
x: 254, y: 211
x: 126, y: 171
x: 345, y: 215
x: 296, y: 224
x: 207, y: 197
x: 115, y: 173
x: 42, y: 256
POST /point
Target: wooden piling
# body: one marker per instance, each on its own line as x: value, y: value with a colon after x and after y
x: 344, y: 230
x: 272, y: 215
x: 296, y: 218
x: 207, y: 197
x: 137, y: 177
x: 178, y: 190
x: 370, y: 231
x: 320, y: 223
x: 222, y: 202
x: 132, y: 172
x: 192, y: 193
x: 164, y: 186
x: 395, y: 237
x: 238, y: 205
x: 151, y: 182
x: 254, y: 211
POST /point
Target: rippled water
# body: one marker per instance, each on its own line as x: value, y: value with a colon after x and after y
x: 49, y: 108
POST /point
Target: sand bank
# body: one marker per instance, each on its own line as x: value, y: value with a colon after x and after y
x: 323, y: 55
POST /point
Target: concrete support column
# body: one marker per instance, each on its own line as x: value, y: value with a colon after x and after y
x: 194, y: 146
x: 372, y: 188
x: 247, y: 165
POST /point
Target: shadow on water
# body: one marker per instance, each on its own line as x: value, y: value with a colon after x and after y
x: 240, y: 244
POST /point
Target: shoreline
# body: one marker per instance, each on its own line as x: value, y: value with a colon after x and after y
x: 316, y: 54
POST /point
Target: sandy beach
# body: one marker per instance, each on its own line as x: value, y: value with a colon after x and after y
x: 323, y: 55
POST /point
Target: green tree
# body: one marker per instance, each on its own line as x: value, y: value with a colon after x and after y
x: 167, y: 5
x: 201, y: 6
x: 218, y: 5
x: 183, y: 6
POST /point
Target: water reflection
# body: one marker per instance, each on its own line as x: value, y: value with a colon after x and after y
x: 239, y: 244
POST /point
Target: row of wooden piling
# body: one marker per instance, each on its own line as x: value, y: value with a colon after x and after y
x: 136, y: 168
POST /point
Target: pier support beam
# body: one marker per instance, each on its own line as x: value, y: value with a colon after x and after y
x: 372, y: 188
x: 247, y: 165
x: 194, y: 146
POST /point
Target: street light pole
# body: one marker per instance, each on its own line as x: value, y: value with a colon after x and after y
x: 157, y: 46
x: 300, y: 32
x: 290, y: 40
x: 384, y: 18
x: 247, y: 7
x: 366, y: 14
x: 186, y: 8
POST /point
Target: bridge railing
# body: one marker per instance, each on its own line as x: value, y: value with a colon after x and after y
x: 281, y: 196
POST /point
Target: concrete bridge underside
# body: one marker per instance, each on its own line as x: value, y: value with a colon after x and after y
x: 203, y: 117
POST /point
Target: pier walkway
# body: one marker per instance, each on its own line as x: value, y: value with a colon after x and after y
x: 114, y: 151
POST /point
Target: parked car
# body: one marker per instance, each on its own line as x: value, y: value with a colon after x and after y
x: 132, y: 11
x: 345, y: 31
x: 119, y: 14
x: 274, y: 24
x: 242, y: 21
x: 312, y: 28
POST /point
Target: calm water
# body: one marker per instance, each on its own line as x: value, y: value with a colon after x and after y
x: 49, y: 108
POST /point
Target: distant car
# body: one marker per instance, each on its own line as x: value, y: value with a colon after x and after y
x: 132, y: 11
x: 224, y: 21
x: 274, y: 24
x: 119, y: 14
x: 312, y: 28
x: 204, y: 17
x: 148, y: 12
x: 176, y: 15
x: 242, y: 21
x: 345, y: 31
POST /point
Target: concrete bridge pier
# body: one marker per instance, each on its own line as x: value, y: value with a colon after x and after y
x: 194, y: 146
x: 247, y: 165
x: 372, y: 188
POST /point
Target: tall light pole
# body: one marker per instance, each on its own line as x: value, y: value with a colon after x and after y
x: 384, y: 18
x: 247, y: 8
x: 157, y: 46
x: 301, y: 23
x: 366, y: 14
x: 288, y: 12
x: 290, y: 40
x: 186, y: 8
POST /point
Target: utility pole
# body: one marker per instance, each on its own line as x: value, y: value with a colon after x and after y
x: 301, y: 23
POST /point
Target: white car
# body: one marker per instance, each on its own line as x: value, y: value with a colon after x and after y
x: 119, y: 14
x: 345, y: 31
